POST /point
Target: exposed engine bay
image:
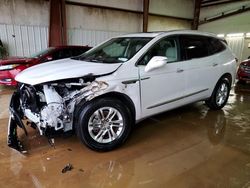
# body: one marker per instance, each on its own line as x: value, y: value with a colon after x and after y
x: 49, y: 107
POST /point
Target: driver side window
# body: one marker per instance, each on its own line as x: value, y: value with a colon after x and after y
x: 166, y: 47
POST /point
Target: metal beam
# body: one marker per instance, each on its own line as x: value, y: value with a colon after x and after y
x: 220, y: 3
x: 145, y: 15
x: 197, y: 8
x: 225, y: 15
x: 57, y: 24
x: 171, y: 17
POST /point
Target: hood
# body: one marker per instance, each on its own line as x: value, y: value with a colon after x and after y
x: 246, y: 62
x: 16, y: 60
x: 63, y: 69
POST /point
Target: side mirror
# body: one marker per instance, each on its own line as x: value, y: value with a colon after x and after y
x: 156, y: 62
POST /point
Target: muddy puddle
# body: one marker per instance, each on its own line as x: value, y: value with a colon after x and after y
x: 188, y: 147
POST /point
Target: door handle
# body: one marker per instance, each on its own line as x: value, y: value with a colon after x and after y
x: 180, y: 70
x: 215, y: 64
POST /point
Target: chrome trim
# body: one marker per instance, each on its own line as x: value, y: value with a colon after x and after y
x: 133, y: 81
x: 145, y: 78
x: 176, y: 99
x: 130, y: 81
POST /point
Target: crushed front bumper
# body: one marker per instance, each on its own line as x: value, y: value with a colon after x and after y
x: 14, y: 121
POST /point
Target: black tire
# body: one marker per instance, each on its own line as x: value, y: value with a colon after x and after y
x: 86, y: 114
x: 212, y: 102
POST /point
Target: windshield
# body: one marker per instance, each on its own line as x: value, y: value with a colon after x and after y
x: 116, y: 50
x: 42, y: 53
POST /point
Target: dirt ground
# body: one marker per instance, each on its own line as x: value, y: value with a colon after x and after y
x: 187, y: 147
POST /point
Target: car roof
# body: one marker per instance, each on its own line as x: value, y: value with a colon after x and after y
x: 148, y: 34
x: 158, y: 33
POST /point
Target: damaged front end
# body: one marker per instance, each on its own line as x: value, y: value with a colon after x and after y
x: 49, y: 107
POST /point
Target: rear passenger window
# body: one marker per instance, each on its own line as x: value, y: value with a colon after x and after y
x: 216, y: 46
x: 194, y: 47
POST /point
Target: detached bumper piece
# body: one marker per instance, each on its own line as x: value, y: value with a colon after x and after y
x: 14, y: 120
x: 12, y: 139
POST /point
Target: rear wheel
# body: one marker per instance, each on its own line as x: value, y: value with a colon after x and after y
x: 220, y: 95
x: 104, y: 124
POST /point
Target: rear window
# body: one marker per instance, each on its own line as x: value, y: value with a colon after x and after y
x: 216, y: 46
x: 194, y: 46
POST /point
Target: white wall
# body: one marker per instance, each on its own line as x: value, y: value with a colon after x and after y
x: 90, y: 26
x: 24, y: 26
x: 246, y: 49
x: 24, y: 23
x: 218, y: 9
x: 101, y: 19
x: 177, y: 8
x: 157, y: 23
x: 123, y: 4
x: 239, y: 23
x: 23, y: 12
x: 180, y: 9
x: 234, y: 24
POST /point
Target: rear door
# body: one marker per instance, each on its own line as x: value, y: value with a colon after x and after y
x: 202, y: 69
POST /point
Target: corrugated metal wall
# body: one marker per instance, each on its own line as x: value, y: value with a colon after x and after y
x: 236, y: 44
x: 81, y: 36
x: 24, y: 24
x: 91, y: 26
x: 23, y: 40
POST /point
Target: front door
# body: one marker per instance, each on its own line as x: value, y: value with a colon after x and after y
x: 162, y: 88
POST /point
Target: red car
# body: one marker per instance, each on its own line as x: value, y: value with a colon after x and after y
x: 9, y: 68
x: 243, y: 73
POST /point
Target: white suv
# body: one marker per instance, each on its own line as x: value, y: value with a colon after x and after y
x: 102, y: 93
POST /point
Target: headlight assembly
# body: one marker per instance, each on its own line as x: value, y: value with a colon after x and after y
x: 8, y: 67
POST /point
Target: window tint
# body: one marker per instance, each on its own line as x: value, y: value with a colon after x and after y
x: 116, y: 50
x: 216, y: 46
x: 167, y: 47
x: 62, y: 53
x: 43, y: 52
x: 78, y: 51
x: 194, y: 47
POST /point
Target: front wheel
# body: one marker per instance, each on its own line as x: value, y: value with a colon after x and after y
x: 104, y: 124
x: 220, y: 95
